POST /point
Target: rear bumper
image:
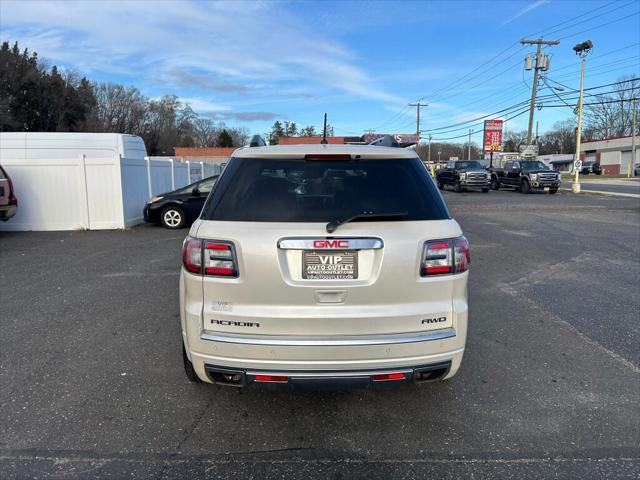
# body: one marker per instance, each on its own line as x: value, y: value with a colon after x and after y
x: 7, y: 212
x: 238, y: 377
x: 309, y: 359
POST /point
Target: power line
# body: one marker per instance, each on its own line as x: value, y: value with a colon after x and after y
x: 507, y: 110
x: 599, y: 26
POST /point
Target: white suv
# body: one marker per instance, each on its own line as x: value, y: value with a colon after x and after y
x: 324, y: 263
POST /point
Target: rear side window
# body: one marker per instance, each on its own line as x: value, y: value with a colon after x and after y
x: 271, y: 190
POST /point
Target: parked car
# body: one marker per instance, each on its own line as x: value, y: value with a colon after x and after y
x: 525, y: 176
x: 591, y: 167
x: 636, y: 170
x: 8, y: 200
x: 324, y: 263
x: 180, y: 207
x: 462, y: 175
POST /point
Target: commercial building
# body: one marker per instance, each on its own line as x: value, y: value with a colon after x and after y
x: 613, y: 154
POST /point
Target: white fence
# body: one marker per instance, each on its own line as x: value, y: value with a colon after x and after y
x: 92, y: 193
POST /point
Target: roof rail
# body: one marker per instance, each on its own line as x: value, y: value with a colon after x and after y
x: 257, y: 141
x: 386, y: 141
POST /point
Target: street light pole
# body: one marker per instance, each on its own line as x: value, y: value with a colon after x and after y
x: 469, y: 146
x: 429, y: 151
x: 582, y: 49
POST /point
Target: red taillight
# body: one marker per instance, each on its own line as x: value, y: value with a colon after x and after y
x: 445, y: 256
x: 385, y: 377
x: 219, y: 259
x: 271, y: 378
x: 192, y: 255
x: 209, y: 257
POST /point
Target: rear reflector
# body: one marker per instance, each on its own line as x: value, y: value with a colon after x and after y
x: 385, y: 377
x: 271, y: 379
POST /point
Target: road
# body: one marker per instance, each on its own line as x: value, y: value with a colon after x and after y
x: 92, y: 384
x: 607, y: 185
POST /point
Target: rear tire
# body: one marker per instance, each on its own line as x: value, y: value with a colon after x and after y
x: 495, y: 185
x: 173, y: 217
x: 188, y: 368
x: 458, y: 187
x: 553, y: 190
x: 525, y: 187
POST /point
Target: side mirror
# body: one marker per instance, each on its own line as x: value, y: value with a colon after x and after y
x: 195, y: 192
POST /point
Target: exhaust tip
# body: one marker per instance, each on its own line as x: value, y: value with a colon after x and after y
x: 431, y: 373
x: 232, y: 378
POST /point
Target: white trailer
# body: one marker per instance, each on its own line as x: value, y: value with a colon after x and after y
x: 69, y: 181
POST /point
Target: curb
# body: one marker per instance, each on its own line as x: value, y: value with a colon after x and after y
x: 605, y: 193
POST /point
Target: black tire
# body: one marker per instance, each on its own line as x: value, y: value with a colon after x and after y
x: 173, y: 217
x: 188, y: 368
x: 495, y: 184
x: 440, y: 185
x: 525, y: 187
x: 553, y: 190
x: 457, y: 187
x: 485, y: 190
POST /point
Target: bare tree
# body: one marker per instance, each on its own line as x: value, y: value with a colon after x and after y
x: 611, y: 115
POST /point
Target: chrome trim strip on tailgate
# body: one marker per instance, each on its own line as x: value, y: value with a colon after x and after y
x: 324, y: 341
x: 323, y: 243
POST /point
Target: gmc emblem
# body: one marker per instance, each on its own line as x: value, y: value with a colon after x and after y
x: 331, y: 244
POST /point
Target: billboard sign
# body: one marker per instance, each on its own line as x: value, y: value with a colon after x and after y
x: 493, y: 135
x: 401, y: 138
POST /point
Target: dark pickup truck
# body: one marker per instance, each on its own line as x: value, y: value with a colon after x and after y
x: 525, y: 176
x: 463, y: 175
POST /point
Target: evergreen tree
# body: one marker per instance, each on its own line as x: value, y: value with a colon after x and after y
x: 225, y: 139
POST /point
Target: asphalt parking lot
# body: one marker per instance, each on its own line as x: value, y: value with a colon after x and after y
x: 92, y: 386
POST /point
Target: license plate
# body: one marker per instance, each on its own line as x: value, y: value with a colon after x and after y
x: 330, y: 265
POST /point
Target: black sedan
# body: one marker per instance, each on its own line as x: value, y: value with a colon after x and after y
x: 181, y: 207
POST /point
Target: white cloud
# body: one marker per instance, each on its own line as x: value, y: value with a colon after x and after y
x: 526, y: 9
x: 236, y: 43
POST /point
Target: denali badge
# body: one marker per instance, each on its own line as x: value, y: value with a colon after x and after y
x: 434, y: 320
x: 232, y: 323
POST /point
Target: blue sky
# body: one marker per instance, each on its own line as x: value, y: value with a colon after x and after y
x: 251, y: 62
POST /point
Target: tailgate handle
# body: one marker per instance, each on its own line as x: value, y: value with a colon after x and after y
x: 330, y: 296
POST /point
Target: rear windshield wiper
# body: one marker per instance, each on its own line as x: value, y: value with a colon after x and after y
x: 333, y: 225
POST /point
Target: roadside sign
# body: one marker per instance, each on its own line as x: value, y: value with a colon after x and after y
x: 453, y: 158
x: 493, y: 135
x: 529, y: 150
x: 577, y: 164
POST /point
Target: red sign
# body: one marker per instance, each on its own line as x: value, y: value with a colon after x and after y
x: 493, y: 135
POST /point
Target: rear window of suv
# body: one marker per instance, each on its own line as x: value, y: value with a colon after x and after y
x: 272, y: 190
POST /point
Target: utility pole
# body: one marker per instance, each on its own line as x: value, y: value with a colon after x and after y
x: 418, y: 105
x: 469, y: 146
x: 429, y: 151
x: 582, y: 49
x: 633, y: 137
x: 540, y: 64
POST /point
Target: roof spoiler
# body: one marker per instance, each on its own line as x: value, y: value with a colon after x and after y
x: 257, y: 141
x: 386, y: 141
